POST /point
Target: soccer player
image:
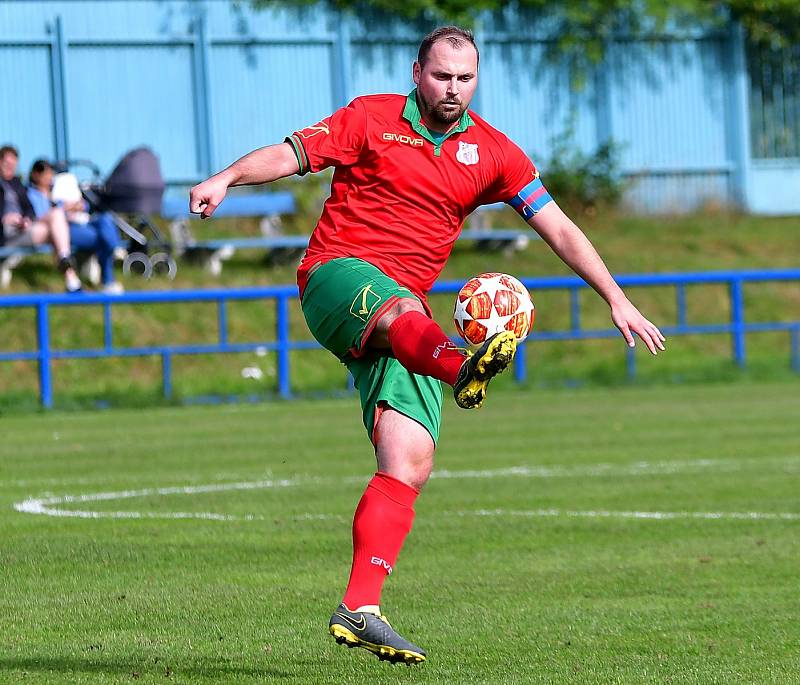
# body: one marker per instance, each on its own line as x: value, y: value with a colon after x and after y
x: 408, y: 171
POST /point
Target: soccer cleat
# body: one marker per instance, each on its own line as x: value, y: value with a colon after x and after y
x: 491, y: 358
x: 373, y: 632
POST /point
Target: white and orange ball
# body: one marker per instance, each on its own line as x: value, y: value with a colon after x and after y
x: 490, y: 303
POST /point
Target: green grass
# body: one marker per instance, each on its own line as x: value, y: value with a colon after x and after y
x: 511, y: 597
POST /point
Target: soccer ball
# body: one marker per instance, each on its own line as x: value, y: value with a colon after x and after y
x: 490, y: 303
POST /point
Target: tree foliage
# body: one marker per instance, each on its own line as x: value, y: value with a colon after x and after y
x: 591, y: 22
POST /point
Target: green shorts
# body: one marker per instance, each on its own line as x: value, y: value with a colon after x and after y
x: 343, y: 301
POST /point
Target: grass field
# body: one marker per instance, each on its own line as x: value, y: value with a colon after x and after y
x: 598, y: 536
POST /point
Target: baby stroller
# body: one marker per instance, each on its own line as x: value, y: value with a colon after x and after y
x: 130, y: 194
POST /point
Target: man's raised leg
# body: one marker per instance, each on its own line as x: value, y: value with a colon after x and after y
x: 383, y: 518
x: 422, y: 347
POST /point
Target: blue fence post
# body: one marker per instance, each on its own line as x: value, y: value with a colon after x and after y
x: 222, y: 321
x: 794, y: 342
x: 59, y: 89
x: 202, y: 95
x: 342, y: 61
x: 738, y: 128
x: 108, y: 339
x: 520, y: 364
x: 680, y: 300
x: 575, y: 309
x: 737, y: 323
x: 282, y: 335
x: 630, y: 363
x: 43, y: 336
x: 166, y: 374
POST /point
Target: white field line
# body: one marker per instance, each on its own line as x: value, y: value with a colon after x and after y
x: 117, y: 476
x: 791, y: 464
x: 48, y: 505
x: 648, y: 515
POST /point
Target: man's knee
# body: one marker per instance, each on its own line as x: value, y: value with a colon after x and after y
x: 411, y: 471
x: 404, y: 448
x: 380, y: 335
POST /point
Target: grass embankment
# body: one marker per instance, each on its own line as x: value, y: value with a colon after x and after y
x: 629, y: 245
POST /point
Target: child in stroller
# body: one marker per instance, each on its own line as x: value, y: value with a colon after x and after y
x: 134, y: 189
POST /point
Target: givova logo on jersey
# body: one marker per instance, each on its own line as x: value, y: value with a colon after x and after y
x: 402, y: 138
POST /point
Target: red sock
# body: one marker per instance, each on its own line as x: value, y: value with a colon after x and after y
x: 422, y: 347
x: 382, y: 520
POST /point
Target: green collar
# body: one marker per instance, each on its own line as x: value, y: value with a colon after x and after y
x: 412, y: 114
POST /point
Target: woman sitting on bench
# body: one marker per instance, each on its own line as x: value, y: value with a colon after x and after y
x: 96, y: 234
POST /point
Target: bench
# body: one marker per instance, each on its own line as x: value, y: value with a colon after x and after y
x: 11, y: 258
x: 487, y: 238
x: 284, y: 247
x: 268, y: 206
x: 175, y: 209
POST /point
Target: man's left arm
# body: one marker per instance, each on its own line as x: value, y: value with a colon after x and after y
x: 573, y: 247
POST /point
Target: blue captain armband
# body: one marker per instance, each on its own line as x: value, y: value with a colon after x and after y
x: 529, y: 201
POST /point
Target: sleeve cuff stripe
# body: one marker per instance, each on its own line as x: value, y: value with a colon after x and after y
x: 300, y: 153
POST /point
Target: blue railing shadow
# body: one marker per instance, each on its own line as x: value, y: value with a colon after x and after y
x: 737, y: 326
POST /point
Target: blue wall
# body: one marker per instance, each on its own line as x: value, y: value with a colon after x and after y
x: 204, y: 82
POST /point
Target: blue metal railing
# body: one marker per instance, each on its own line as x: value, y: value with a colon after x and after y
x: 737, y: 326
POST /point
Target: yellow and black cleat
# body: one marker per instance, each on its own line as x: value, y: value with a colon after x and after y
x: 492, y: 357
x: 373, y: 632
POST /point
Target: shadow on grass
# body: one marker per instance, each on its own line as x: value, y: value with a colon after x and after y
x: 213, y: 670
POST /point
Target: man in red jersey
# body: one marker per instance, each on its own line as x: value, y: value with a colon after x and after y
x: 408, y: 171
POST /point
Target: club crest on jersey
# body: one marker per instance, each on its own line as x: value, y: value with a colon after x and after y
x: 467, y: 153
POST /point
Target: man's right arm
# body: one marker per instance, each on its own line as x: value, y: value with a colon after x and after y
x: 259, y: 166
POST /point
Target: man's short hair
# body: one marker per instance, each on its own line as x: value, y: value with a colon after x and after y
x: 39, y: 166
x: 8, y: 149
x: 455, y: 35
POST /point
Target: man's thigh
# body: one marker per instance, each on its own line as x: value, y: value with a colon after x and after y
x: 343, y: 301
x: 383, y: 382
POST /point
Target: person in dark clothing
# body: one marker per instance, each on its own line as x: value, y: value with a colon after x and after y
x: 21, y: 227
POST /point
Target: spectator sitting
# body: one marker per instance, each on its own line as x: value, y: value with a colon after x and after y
x: 97, y: 234
x: 22, y: 228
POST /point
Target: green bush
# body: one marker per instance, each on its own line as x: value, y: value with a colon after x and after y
x: 584, y: 182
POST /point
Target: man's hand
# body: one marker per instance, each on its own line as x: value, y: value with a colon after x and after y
x: 206, y: 196
x: 629, y: 320
x: 14, y: 219
x: 259, y: 166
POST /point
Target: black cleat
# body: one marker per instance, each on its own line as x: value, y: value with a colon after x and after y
x: 373, y: 632
x: 492, y: 357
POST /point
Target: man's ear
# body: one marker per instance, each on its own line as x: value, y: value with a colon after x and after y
x: 415, y: 72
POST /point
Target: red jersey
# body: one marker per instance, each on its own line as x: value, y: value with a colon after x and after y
x: 399, y: 197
